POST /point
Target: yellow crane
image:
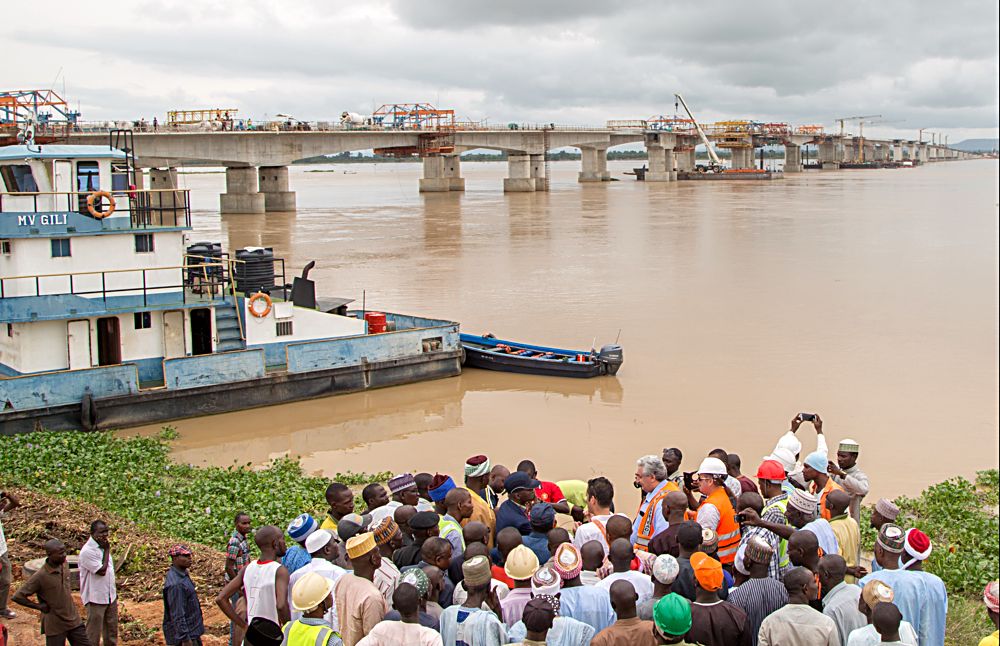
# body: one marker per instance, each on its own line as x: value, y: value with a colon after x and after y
x: 841, y: 120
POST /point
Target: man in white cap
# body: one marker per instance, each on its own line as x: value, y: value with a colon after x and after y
x: 324, y: 549
x: 791, y: 443
x: 715, y: 510
x: 849, y: 475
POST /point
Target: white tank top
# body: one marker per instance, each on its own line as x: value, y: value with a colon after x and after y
x: 258, y: 584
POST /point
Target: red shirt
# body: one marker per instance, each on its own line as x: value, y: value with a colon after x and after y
x: 500, y: 575
x: 549, y: 492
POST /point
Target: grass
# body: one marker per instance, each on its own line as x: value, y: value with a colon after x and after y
x: 135, y: 478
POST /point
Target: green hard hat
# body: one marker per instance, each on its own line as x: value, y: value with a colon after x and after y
x: 672, y: 615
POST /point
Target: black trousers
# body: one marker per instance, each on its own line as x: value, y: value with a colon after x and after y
x: 76, y: 637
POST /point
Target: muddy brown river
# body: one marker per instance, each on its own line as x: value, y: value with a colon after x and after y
x: 869, y: 296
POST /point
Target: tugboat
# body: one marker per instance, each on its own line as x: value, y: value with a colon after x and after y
x: 106, y: 320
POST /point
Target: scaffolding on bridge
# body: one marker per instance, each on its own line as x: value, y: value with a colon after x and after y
x: 413, y: 116
x: 47, y: 113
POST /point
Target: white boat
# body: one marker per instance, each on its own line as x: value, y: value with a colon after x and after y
x: 106, y: 322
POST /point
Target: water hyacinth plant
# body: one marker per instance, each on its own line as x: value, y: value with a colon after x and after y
x: 135, y: 478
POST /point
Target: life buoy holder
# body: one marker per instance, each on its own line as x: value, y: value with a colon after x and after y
x: 267, y: 305
x: 94, y: 198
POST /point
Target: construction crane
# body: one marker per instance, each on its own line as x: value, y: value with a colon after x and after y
x: 841, y: 120
x: 716, y: 162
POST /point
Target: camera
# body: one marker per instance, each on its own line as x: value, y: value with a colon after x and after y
x: 740, y: 518
x: 807, y: 417
x: 689, y: 480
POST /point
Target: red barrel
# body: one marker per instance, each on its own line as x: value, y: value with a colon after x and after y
x: 376, y: 322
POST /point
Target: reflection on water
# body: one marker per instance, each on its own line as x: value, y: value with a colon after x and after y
x: 869, y: 296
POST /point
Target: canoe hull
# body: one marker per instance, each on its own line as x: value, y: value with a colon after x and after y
x: 480, y: 352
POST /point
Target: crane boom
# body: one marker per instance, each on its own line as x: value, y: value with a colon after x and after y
x: 701, y: 133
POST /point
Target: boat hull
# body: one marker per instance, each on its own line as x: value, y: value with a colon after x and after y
x: 480, y: 353
x: 163, y: 405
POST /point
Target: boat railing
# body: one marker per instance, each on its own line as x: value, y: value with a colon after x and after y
x: 147, y: 208
x: 152, y: 286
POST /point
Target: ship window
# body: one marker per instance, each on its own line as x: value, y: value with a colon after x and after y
x: 144, y: 243
x: 5, y: 247
x: 18, y: 178
x: 10, y: 329
x: 60, y: 248
x: 283, y: 328
x: 143, y: 320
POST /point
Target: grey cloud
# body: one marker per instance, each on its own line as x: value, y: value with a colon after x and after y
x: 920, y: 63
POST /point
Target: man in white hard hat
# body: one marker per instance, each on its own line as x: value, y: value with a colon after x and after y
x: 311, y: 597
x: 324, y: 549
x: 715, y: 510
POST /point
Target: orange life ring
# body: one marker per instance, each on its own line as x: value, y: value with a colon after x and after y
x: 94, y: 197
x: 253, y: 310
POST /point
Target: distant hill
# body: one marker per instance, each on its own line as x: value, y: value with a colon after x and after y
x: 977, y: 145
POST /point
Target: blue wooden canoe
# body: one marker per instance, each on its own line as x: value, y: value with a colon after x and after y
x: 490, y: 353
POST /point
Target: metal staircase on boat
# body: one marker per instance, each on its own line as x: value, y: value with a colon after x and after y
x: 227, y: 325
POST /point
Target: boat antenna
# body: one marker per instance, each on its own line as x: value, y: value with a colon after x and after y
x: 363, y: 294
x: 593, y: 345
x: 619, y: 336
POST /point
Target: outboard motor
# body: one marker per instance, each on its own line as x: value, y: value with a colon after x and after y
x: 611, y: 357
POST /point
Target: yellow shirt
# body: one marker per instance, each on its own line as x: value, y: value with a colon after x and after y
x: 329, y: 523
x: 848, y: 536
x: 483, y: 513
x: 991, y: 640
x: 575, y: 491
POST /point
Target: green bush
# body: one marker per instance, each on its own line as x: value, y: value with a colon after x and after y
x: 136, y: 479
x: 961, y: 520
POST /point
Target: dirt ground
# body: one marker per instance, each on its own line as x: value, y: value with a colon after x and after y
x: 141, y: 562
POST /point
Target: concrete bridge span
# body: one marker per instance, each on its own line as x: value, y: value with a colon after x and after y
x: 257, y: 161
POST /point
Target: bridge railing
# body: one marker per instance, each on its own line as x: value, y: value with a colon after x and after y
x: 249, y: 126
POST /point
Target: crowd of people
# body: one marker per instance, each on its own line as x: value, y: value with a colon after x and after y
x: 709, y: 556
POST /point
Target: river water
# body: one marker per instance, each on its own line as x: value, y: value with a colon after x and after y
x: 869, y: 296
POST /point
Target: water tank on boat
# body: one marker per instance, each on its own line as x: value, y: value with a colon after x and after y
x: 256, y: 271
x: 203, y: 253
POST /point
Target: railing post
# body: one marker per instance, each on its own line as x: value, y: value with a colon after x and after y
x: 144, y: 303
x: 104, y: 289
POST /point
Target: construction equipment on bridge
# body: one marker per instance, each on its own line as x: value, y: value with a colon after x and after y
x: 670, y: 124
x: 810, y: 129
x: 23, y: 111
x: 413, y: 116
x: 716, y: 163
x: 187, y: 117
x: 842, y: 120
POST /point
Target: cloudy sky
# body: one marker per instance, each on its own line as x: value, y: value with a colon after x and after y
x: 920, y: 64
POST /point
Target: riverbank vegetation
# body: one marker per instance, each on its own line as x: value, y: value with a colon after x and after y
x: 133, y: 478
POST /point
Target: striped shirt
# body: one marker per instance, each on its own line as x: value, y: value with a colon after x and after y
x: 758, y: 598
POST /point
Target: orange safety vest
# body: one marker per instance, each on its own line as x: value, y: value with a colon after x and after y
x: 648, y: 522
x: 729, y: 529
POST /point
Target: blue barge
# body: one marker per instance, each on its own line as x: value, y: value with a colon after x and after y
x: 106, y: 322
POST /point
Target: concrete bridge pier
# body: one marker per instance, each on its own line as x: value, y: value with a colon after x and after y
x: 595, y: 165
x: 793, y: 158
x: 241, y: 194
x: 897, y: 152
x: 828, y: 156
x: 742, y: 158
x: 537, y: 166
x: 452, y: 166
x: 434, y: 179
x: 659, y: 171
x: 273, y: 183
x: 520, y: 179
x: 161, y: 179
x: 685, y: 159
